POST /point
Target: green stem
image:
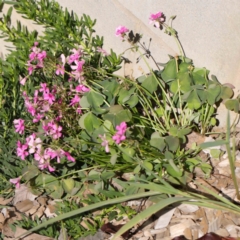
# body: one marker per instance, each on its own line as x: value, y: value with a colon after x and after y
x: 162, y: 88
x: 231, y: 156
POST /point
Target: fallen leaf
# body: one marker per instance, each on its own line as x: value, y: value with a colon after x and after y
x: 22, y: 194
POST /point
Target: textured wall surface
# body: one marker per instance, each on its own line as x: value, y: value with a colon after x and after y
x: 208, y: 31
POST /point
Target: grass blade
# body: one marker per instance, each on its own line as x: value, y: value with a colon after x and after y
x: 148, y: 212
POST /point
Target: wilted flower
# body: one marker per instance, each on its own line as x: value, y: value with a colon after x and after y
x: 157, y: 19
x: 121, y: 31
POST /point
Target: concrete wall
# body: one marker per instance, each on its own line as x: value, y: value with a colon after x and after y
x: 208, y: 30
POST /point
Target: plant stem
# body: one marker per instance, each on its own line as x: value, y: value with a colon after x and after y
x: 231, y: 156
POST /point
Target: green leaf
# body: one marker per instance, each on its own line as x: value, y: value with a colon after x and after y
x: 84, y: 102
x: 184, y: 67
x: 170, y: 70
x: 137, y: 169
x: 173, y: 171
x: 147, y: 165
x: 193, y: 100
x: 133, y: 101
x: 107, y: 175
x: 226, y: 92
x: 113, y: 158
x: 68, y: 185
x: 30, y: 172
x: 185, y: 81
x: 213, y: 93
x: 233, y: 105
x: 95, y: 98
x: 172, y: 143
x: 128, y: 154
x: 206, y: 168
x: 150, y: 83
x: 111, y: 86
x: 157, y: 141
x: 82, y: 119
x: 50, y: 184
x: 91, y: 122
x: 117, y: 114
x: 199, y: 76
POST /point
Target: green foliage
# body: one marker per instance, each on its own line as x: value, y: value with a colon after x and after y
x: 110, y: 127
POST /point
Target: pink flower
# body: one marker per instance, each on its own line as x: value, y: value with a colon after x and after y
x: 44, y: 87
x: 56, y: 153
x: 79, y: 110
x: 104, y: 142
x: 48, y: 96
x: 60, y: 70
x: 30, y: 68
x: 79, y: 65
x: 120, y: 134
x: 69, y: 157
x: 21, y: 150
x: 121, y: 129
x: 32, y: 56
x: 38, y: 117
x: 75, y: 56
x: 104, y: 52
x: 41, y: 56
x: 56, y: 131
x: 118, y: 138
x: 22, y: 80
x: 19, y: 125
x: 82, y: 88
x: 75, y: 100
x: 43, y: 160
x: 121, y: 31
x: 46, y: 164
x: 31, y: 109
x: 157, y: 19
x: 34, y: 144
x: 15, y: 181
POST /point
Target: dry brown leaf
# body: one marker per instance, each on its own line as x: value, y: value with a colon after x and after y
x: 24, y: 206
x: 22, y: 194
x: 13, y: 217
x: 4, y: 201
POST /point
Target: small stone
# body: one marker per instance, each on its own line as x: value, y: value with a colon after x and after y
x: 147, y: 233
x: 224, y: 163
x: 164, y: 219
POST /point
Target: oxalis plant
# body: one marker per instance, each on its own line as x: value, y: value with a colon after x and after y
x: 73, y: 128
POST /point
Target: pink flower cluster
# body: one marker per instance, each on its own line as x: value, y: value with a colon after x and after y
x: 48, y: 107
x: 35, y: 61
x: 75, y: 62
x: 120, y: 134
x: 36, y: 58
x: 33, y: 145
